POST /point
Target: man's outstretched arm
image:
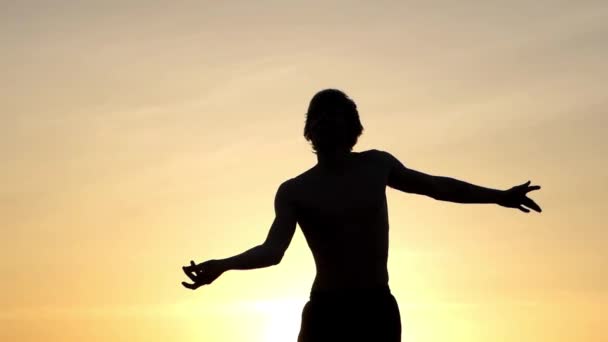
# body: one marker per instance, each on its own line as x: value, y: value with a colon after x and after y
x: 267, y: 254
x: 454, y: 190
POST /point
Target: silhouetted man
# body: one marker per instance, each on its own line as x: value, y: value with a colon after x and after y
x: 340, y: 205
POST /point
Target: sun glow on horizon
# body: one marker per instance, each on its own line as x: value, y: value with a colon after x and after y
x: 281, y: 319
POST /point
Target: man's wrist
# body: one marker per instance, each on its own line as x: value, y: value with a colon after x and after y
x: 222, y: 264
x: 499, y: 197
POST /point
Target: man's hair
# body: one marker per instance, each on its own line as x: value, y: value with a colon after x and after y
x: 332, y: 121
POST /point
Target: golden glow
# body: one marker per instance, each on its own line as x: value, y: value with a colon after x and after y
x: 131, y: 129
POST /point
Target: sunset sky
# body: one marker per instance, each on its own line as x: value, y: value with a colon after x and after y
x: 130, y: 130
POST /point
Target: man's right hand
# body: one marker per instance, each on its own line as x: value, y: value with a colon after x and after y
x: 517, y: 198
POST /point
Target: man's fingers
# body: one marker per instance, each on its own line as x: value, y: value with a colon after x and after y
x: 521, y: 207
x: 531, y: 204
x: 190, y: 286
x: 190, y: 273
x: 533, y: 187
x: 190, y: 267
x: 194, y: 268
x: 521, y: 187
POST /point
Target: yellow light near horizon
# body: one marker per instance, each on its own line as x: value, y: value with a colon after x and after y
x: 282, y: 322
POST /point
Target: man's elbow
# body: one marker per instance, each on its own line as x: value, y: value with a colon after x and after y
x: 275, y: 256
x: 428, y: 186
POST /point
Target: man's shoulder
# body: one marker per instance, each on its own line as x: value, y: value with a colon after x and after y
x: 377, y: 155
x: 310, y: 175
x: 290, y: 190
x: 297, y: 181
x: 302, y: 177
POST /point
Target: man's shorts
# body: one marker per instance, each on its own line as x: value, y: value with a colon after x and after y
x: 353, y: 315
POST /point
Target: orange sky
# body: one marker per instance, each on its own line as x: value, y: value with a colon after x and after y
x: 130, y: 130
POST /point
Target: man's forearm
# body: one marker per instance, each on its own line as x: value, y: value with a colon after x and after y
x: 454, y: 190
x: 256, y: 257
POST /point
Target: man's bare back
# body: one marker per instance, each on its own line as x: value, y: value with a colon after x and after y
x: 343, y: 214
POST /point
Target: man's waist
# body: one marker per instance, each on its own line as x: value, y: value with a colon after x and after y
x: 351, y: 293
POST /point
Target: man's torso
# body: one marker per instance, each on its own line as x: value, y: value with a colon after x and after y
x: 343, y: 215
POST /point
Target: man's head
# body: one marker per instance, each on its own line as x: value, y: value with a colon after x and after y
x: 332, y: 122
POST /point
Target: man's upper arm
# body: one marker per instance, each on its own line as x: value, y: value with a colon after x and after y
x: 408, y: 180
x: 284, y: 224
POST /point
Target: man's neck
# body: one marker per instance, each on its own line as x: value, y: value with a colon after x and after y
x: 333, y: 160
